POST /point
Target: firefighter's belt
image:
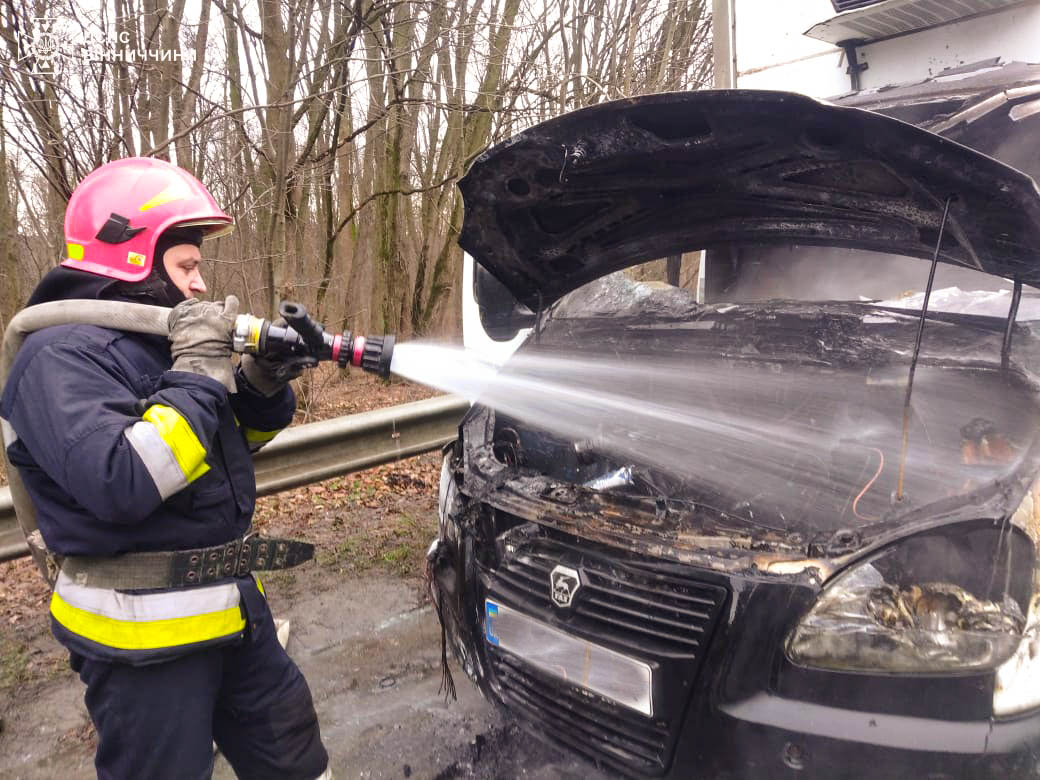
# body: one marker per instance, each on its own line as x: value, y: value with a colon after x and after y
x: 179, y: 568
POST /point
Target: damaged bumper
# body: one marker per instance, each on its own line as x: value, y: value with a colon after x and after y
x: 822, y: 734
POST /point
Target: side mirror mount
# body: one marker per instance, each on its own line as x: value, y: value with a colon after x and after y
x: 501, y: 315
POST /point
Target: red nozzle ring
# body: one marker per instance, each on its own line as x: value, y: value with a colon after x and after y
x: 359, y: 348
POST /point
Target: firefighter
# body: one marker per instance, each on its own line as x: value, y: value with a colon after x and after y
x: 135, y: 450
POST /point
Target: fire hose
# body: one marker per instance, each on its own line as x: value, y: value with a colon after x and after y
x: 301, y: 336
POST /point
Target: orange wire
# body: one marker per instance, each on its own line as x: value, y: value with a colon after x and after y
x: 880, y: 468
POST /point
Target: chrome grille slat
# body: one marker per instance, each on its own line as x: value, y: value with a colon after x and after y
x: 706, y: 601
x: 644, y: 616
x: 522, y: 582
x: 636, y: 628
x: 647, y: 601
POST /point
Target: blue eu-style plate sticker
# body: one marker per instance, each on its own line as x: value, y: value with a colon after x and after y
x: 490, y: 613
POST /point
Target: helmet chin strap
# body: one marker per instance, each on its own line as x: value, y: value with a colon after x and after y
x: 158, y: 285
x: 155, y: 289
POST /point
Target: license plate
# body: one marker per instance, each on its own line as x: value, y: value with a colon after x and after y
x: 599, y: 669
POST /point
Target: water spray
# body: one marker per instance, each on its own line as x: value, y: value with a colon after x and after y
x: 301, y: 336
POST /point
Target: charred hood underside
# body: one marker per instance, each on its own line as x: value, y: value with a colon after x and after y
x: 615, y: 184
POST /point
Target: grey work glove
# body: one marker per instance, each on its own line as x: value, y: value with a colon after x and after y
x: 270, y: 374
x: 200, y: 338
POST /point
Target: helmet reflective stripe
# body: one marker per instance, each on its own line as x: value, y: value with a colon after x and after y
x: 147, y: 621
x: 177, y: 190
x: 169, y: 448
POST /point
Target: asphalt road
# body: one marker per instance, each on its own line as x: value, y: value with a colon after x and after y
x: 372, y: 659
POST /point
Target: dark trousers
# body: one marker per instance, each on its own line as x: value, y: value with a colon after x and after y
x: 159, y: 721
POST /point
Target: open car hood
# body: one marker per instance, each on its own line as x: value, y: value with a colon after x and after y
x: 620, y: 183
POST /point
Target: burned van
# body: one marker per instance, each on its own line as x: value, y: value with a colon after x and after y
x: 789, y: 523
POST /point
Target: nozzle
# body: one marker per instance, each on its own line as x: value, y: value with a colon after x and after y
x: 303, y: 336
x: 377, y: 354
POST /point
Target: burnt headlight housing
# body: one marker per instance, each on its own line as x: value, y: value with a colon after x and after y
x: 943, y: 602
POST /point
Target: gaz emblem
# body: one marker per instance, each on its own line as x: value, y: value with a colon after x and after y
x: 564, y: 583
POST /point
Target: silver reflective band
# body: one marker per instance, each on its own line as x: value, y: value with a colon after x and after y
x: 158, y: 458
x: 612, y: 675
x: 149, y: 606
x: 10, y: 437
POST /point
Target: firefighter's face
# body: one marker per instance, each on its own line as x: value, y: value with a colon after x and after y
x: 182, y: 264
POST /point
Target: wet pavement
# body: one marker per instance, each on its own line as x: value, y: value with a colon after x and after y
x: 372, y: 658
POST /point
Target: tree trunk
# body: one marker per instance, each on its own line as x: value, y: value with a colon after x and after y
x: 9, y: 239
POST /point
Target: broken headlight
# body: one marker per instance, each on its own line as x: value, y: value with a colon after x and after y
x: 934, y: 603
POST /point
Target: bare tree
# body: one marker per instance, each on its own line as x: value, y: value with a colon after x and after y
x: 333, y: 130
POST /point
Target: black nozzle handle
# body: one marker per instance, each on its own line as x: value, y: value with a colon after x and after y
x: 313, y: 334
x: 296, y: 316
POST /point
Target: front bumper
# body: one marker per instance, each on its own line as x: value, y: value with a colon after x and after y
x: 726, y: 703
x: 771, y: 733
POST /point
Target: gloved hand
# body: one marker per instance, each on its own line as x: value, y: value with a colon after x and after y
x: 270, y: 374
x: 200, y: 338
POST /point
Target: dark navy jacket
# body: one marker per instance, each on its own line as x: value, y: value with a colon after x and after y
x: 71, y: 394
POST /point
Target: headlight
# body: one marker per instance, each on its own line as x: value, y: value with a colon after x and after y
x: 936, y: 603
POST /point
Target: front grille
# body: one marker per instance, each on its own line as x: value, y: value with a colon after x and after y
x: 580, y: 719
x: 664, y: 620
x: 655, y: 615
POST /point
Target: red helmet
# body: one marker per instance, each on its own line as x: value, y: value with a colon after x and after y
x: 117, y: 213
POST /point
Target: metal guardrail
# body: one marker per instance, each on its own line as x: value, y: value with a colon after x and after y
x: 310, y: 453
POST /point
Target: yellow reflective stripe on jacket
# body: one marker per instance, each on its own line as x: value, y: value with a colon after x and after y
x: 255, y: 439
x: 253, y: 436
x: 147, y: 621
x: 180, y: 438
